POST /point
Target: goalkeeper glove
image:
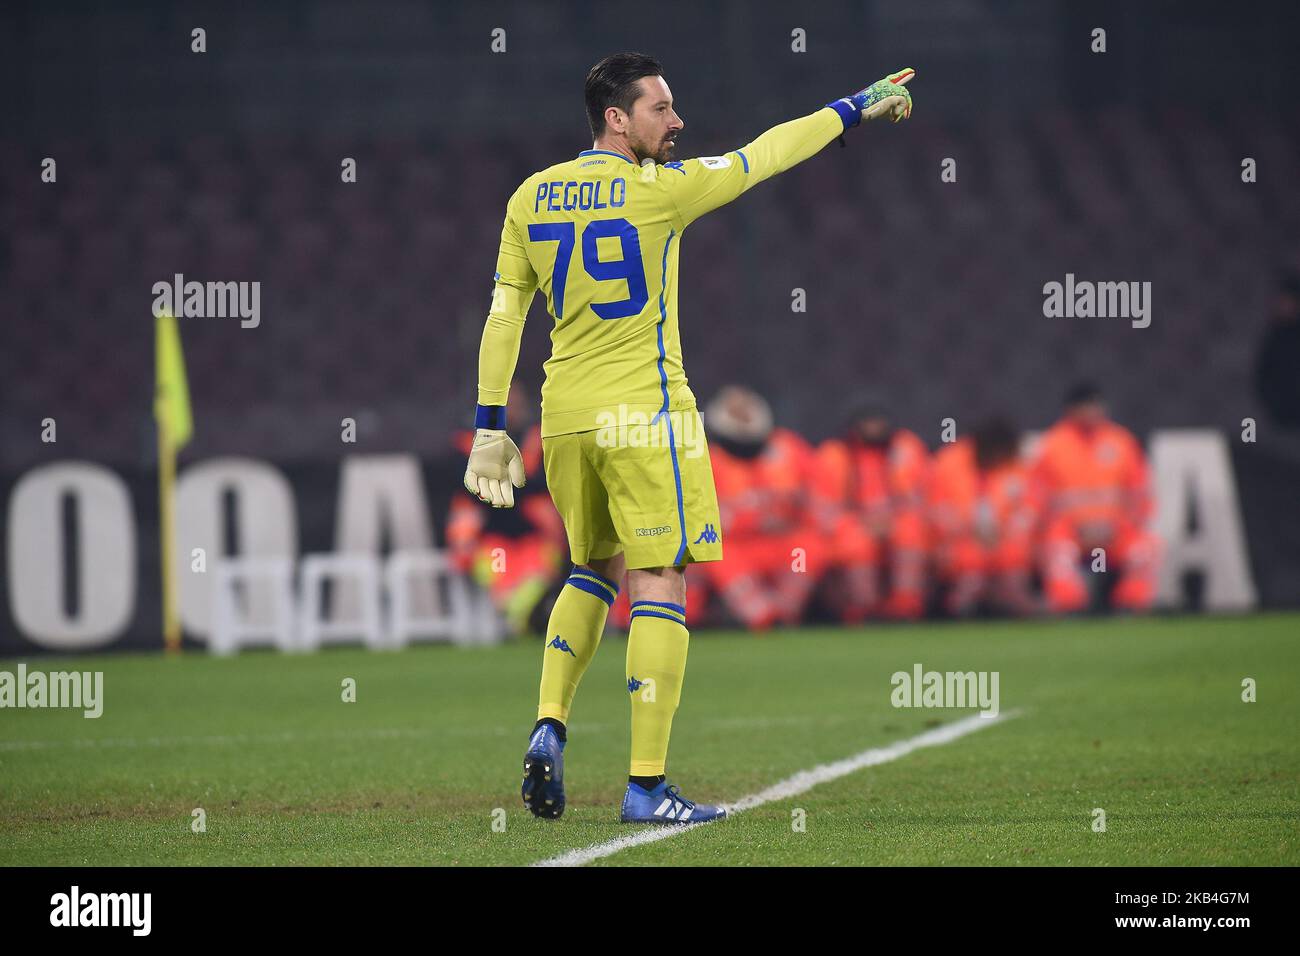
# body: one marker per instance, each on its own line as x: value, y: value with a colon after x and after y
x: 495, y: 466
x: 887, y: 97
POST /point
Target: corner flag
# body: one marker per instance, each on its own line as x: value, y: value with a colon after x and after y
x: 171, y: 409
x: 171, y: 404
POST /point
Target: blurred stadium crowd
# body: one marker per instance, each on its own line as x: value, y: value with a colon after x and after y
x: 374, y: 292
x: 868, y: 524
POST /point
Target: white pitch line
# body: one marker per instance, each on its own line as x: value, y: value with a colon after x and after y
x: 801, y: 782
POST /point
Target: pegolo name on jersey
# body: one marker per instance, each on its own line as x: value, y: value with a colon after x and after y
x: 565, y: 197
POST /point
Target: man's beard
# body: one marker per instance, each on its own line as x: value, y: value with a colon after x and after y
x: 663, y: 154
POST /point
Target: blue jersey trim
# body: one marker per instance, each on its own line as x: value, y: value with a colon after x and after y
x: 743, y: 161
x: 663, y: 384
x: 659, y: 327
x: 490, y: 416
x: 605, y: 152
x: 850, y: 112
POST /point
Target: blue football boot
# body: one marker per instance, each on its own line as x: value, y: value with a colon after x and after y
x: 543, y: 788
x: 665, y: 804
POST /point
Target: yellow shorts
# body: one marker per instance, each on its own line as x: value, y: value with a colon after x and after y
x: 633, y: 488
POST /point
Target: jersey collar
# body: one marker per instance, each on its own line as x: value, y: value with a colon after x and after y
x: 605, y: 152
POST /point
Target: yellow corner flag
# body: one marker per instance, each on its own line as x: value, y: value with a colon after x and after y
x: 171, y: 404
x: 171, y: 409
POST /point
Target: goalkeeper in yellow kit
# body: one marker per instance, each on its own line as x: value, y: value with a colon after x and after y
x: 625, y: 456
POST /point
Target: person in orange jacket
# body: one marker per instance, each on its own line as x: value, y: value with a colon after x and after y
x: 869, y: 489
x: 1095, y: 478
x: 515, y: 554
x: 983, y: 506
x: 772, y: 558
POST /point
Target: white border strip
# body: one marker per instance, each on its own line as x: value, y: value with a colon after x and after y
x: 801, y: 782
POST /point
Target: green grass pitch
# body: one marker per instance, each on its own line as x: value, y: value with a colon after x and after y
x: 1143, y: 718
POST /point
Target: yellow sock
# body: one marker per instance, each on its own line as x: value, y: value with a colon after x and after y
x: 656, y: 664
x: 572, y: 636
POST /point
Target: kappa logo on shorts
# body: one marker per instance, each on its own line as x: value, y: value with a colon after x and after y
x: 561, y: 645
x: 651, y: 532
x: 707, y: 536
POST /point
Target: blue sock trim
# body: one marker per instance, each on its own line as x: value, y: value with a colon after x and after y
x: 592, y: 574
x: 666, y: 615
x: 593, y: 583
x: 679, y: 608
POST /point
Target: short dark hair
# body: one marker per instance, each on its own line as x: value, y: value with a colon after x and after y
x: 613, y: 82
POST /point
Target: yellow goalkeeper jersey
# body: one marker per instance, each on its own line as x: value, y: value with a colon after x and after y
x: 600, y: 236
